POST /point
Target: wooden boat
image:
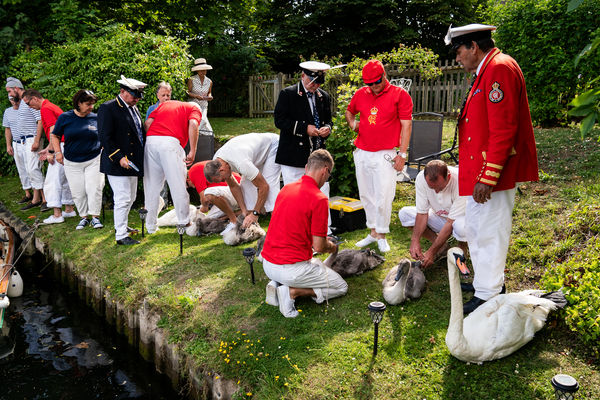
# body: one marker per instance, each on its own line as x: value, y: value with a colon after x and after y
x: 7, y: 254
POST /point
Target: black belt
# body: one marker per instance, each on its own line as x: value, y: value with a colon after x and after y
x: 23, y: 139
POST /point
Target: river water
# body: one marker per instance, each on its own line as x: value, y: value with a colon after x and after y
x: 53, y: 347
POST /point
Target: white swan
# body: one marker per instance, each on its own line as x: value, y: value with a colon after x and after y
x: 498, y: 327
x: 405, y: 281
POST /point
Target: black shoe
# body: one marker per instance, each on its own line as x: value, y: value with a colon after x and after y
x: 467, y: 287
x: 25, y: 199
x: 335, y: 239
x: 127, y: 241
x: 44, y: 207
x: 31, y: 205
x: 132, y: 230
x: 472, y: 305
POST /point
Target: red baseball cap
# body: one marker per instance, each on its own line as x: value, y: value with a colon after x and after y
x: 372, y: 71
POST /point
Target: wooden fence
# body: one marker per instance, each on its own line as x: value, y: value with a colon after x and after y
x: 442, y: 95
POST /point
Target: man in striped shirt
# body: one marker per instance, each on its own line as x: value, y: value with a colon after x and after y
x: 26, y: 141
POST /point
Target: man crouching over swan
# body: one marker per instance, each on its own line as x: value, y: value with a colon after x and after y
x: 298, y: 226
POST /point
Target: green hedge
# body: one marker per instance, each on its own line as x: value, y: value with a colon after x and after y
x: 545, y: 39
x: 579, y: 277
x: 96, y: 63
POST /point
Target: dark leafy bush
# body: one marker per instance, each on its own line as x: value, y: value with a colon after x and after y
x: 545, y: 39
x: 96, y: 63
x: 579, y: 277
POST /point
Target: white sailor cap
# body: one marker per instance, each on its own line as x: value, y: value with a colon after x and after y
x: 468, y: 33
x: 133, y: 86
x: 315, y: 70
x: 131, y: 83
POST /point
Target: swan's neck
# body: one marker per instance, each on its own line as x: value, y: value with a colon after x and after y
x: 330, y: 260
x: 455, y: 326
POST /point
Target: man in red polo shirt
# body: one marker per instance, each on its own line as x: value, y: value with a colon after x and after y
x: 385, y: 125
x: 218, y: 194
x: 169, y: 129
x: 56, y: 186
x: 298, y: 226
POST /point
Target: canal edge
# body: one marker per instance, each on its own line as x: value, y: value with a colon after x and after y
x: 139, y: 326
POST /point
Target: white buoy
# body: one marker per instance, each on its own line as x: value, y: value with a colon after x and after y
x: 15, y: 285
x: 4, y: 302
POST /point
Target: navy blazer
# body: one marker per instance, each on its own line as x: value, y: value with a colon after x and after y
x: 119, y: 138
x: 292, y: 116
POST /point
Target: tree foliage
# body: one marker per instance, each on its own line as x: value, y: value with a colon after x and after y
x: 545, y: 39
x: 96, y: 64
x: 340, y: 143
x: 355, y: 27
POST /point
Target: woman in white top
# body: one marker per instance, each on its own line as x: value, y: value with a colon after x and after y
x: 200, y: 92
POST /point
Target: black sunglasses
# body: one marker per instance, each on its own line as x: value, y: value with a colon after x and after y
x: 376, y: 82
x: 136, y: 93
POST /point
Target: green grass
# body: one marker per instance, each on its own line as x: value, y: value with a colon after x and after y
x: 226, y: 127
x: 212, y: 311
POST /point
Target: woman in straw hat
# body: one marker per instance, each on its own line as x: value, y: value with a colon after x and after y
x: 200, y: 92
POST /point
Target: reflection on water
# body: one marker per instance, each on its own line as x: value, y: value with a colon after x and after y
x: 53, y: 347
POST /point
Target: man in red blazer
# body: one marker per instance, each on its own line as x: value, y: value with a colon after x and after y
x: 496, y: 150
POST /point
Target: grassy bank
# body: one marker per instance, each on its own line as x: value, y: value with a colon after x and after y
x: 211, y: 309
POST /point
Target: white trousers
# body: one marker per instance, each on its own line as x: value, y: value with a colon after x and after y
x: 124, y: 192
x: 225, y: 193
x: 271, y: 171
x: 165, y: 158
x: 205, y: 128
x: 86, y: 183
x: 326, y: 283
x: 408, y: 216
x: 56, y: 186
x: 488, y: 227
x: 376, y: 179
x: 292, y: 174
x: 28, y: 165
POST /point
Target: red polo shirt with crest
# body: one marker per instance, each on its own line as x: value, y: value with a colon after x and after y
x: 496, y: 142
x: 380, y: 116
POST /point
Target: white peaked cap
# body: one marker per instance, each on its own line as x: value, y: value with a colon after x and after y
x: 465, y: 30
x: 131, y: 83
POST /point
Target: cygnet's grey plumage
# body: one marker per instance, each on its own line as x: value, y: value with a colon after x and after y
x: 240, y: 235
x: 405, y: 281
x: 353, y: 262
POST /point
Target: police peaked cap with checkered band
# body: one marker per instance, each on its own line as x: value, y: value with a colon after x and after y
x: 467, y: 34
x: 315, y: 70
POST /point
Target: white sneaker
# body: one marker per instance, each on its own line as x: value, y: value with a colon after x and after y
x: 69, y: 214
x: 286, y: 304
x: 96, y: 224
x: 229, y: 227
x: 383, y: 245
x: 272, y: 294
x: 366, y: 241
x: 53, y: 220
x: 82, y: 224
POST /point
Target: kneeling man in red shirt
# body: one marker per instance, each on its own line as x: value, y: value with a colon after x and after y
x: 298, y: 226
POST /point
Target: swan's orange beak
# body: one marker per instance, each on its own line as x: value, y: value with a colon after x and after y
x: 461, y: 263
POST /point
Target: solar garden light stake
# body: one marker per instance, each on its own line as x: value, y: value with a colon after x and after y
x: 181, y: 231
x: 376, y: 308
x: 564, y: 386
x: 248, y: 254
x: 143, y: 213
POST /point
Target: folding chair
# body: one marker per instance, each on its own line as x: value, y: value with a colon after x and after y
x: 206, y: 148
x: 404, y: 83
x: 425, y: 144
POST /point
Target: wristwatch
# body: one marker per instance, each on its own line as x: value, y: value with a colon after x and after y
x: 254, y: 212
x: 403, y: 155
